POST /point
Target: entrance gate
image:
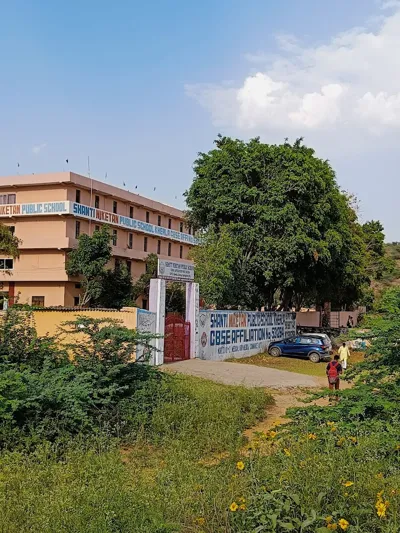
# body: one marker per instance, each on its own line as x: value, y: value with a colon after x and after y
x: 176, y: 339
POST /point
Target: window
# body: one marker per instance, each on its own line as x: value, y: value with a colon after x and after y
x: 6, y: 264
x: 3, y: 199
x: 131, y: 211
x: 190, y: 230
x: 181, y: 251
x: 38, y: 301
x: 169, y: 223
x: 181, y: 227
x: 77, y: 229
x: 114, y: 237
x: 77, y: 285
x: 97, y: 202
x: 159, y: 220
x: 147, y: 216
x: 7, y: 198
x: 78, y: 196
x: 76, y: 301
x: 158, y: 247
x: 97, y: 228
x: 129, y: 266
x: 130, y: 241
x: 115, y: 207
x: 12, y: 229
x: 11, y: 198
x: 144, y: 304
x: 145, y: 244
x: 169, y: 248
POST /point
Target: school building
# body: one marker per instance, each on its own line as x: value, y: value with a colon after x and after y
x: 48, y: 212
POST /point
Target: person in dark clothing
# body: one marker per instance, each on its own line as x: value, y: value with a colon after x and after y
x: 333, y: 371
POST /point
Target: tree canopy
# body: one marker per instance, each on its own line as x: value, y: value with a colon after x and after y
x: 9, y: 243
x: 292, y: 234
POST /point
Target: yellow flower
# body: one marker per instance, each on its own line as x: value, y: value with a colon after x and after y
x: 353, y: 440
x: 332, y: 527
x: 242, y: 507
x: 201, y: 521
x: 233, y: 507
x: 333, y: 428
x: 273, y: 434
x: 343, y: 524
x: 287, y: 452
x: 381, y: 508
x: 242, y: 500
x: 341, y: 441
x: 312, y: 436
x: 330, y: 424
x: 398, y: 447
x: 328, y: 519
x: 379, y: 476
x: 240, y: 465
x: 348, y: 484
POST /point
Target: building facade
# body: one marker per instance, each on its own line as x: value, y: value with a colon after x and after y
x: 48, y: 212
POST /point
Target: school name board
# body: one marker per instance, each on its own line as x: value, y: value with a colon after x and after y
x: 175, y: 270
x: 226, y: 334
x: 97, y: 215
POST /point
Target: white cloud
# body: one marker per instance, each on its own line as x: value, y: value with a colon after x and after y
x: 352, y: 81
x: 38, y: 148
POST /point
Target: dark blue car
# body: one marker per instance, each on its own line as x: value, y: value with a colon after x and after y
x: 301, y: 346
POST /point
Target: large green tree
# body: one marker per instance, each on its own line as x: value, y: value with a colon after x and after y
x: 294, y: 234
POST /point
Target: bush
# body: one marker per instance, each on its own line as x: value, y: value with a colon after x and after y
x: 48, y: 391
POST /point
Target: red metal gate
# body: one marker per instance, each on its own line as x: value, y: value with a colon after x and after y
x: 176, y: 339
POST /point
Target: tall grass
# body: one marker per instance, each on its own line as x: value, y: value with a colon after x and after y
x: 173, y: 475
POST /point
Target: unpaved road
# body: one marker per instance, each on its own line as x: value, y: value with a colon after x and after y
x: 247, y: 375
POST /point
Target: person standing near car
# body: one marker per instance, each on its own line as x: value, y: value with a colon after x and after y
x: 344, y: 354
x: 333, y: 371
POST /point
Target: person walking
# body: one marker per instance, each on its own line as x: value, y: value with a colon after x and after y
x: 333, y: 372
x: 344, y: 354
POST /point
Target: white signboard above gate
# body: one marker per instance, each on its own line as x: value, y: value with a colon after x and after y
x: 175, y: 271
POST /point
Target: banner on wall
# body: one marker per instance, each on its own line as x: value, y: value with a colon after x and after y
x: 92, y: 213
x: 226, y: 334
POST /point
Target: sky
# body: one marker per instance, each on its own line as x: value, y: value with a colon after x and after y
x: 141, y: 87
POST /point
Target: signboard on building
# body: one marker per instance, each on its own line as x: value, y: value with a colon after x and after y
x: 175, y: 270
x: 97, y: 215
x: 227, y: 334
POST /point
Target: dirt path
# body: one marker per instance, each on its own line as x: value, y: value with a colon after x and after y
x: 239, y: 374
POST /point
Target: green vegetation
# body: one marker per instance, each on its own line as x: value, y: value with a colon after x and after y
x: 100, y: 286
x: 101, y: 444
x: 336, y: 468
x: 9, y: 243
x: 290, y: 236
x: 174, y: 473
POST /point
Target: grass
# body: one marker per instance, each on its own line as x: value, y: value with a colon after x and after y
x: 180, y: 474
x: 293, y: 364
x: 168, y: 479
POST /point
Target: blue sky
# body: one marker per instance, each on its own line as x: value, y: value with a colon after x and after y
x: 143, y: 86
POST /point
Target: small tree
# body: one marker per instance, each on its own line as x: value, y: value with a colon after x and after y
x: 9, y: 244
x: 142, y: 286
x: 89, y: 261
x: 116, y: 287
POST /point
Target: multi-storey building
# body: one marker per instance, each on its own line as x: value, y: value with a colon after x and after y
x: 48, y: 212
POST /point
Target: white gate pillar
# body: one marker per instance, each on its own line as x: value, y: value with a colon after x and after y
x: 192, y: 316
x: 157, y: 306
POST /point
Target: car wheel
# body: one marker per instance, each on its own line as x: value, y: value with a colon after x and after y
x: 275, y: 352
x: 314, y: 357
